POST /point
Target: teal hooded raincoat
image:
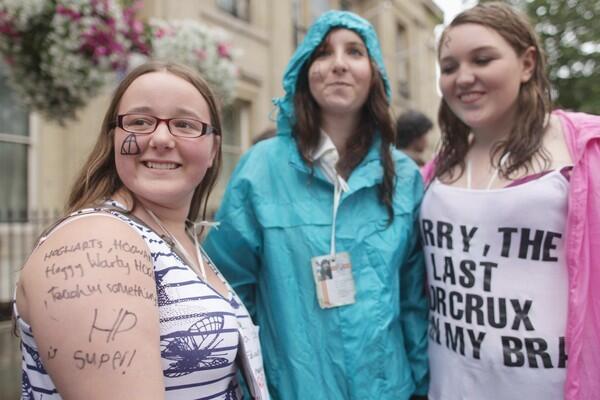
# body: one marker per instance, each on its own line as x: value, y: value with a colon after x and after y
x: 277, y: 214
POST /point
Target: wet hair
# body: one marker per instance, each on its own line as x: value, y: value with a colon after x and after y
x: 268, y: 133
x: 99, y: 180
x: 525, y: 141
x: 410, y: 126
x: 374, y: 118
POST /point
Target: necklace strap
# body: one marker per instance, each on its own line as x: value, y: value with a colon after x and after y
x: 179, y: 246
x: 503, y: 161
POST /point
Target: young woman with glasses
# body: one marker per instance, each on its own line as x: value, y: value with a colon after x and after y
x: 117, y: 300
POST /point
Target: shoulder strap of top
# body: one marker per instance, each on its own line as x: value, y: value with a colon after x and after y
x: 83, y: 212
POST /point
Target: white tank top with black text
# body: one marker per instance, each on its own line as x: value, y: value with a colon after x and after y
x: 497, y: 284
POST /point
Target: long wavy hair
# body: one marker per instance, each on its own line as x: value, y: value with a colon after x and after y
x: 524, y: 142
x: 99, y: 180
x: 375, y: 119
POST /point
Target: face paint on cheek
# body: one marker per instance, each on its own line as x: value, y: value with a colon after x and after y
x: 130, y: 146
x: 316, y: 71
x: 321, y: 76
x: 447, y: 42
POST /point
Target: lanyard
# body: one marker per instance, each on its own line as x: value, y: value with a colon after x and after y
x: 339, y: 187
x: 327, y: 161
x: 178, y: 245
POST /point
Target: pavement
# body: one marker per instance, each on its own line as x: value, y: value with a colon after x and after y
x: 10, y: 358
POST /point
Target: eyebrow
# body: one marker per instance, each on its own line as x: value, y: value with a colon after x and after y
x: 475, y: 50
x: 179, y: 111
x: 356, y: 44
x: 352, y: 43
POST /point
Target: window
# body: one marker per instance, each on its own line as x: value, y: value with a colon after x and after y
x: 402, y: 64
x: 297, y: 20
x: 236, y: 131
x: 318, y: 7
x: 14, y: 151
x: 304, y: 13
x: 238, y: 8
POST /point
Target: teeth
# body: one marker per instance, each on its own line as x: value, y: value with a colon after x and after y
x: 154, y: 165
x: 470, y: 96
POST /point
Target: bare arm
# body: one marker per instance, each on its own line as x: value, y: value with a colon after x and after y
x: 89, y: 294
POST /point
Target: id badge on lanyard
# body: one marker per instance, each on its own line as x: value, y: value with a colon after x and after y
x: 333, y: 280
x: 332, y: 272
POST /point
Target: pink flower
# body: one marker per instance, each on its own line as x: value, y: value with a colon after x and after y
x: 7, y: 29
x: 137, y: 27
x: 100, y: 51
x: 134, y: 30
x: 99, y: 42
x: 224, y: 50
x: 72, y: 14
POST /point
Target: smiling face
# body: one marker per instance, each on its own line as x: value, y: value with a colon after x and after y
x: 481, y: 75
x: 340, y: 75
x: 167, y: 169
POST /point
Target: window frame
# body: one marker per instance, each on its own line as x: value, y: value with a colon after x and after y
x: 28, y: 140
x: 241, y: 108
x: 235, y: 11
x: 402, y: 86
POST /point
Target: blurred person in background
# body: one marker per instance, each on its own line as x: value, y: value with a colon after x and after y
x: 411, y: 134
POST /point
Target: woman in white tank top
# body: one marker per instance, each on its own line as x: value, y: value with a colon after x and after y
x: 495, y: 220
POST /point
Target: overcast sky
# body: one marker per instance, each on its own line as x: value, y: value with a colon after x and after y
x: 453, y: 7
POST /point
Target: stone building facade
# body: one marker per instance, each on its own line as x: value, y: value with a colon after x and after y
x: 39, y: 159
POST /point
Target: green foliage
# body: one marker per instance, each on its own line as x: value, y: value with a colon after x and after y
x: 572, y: 44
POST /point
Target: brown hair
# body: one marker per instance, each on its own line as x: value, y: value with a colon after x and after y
x: 98, y: 179
x: 375, y: 118
x: 524, y: 141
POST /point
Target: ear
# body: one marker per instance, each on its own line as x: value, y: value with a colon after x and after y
x: 528, y: 63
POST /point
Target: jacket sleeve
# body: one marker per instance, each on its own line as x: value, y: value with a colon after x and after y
x: 428, y: 170
x: 413, y: 301
x: 235, y: 245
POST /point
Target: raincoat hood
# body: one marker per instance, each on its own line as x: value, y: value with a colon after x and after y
x: 315, y: 35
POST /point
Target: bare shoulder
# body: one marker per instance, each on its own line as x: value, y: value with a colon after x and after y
x: 89, y: 295
x: 86, y: 246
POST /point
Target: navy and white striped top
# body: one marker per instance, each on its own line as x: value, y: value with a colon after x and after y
x: 198, y: 331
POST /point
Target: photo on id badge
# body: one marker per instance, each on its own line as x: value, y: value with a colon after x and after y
x: 324, y: 270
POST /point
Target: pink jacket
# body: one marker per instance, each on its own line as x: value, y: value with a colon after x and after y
x: 582, y: 133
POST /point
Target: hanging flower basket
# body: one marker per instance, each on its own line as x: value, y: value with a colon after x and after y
x: 61, y: 52
x: 205, y: 49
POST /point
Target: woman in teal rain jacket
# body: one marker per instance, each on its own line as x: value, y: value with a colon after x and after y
x: 318, y: 231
